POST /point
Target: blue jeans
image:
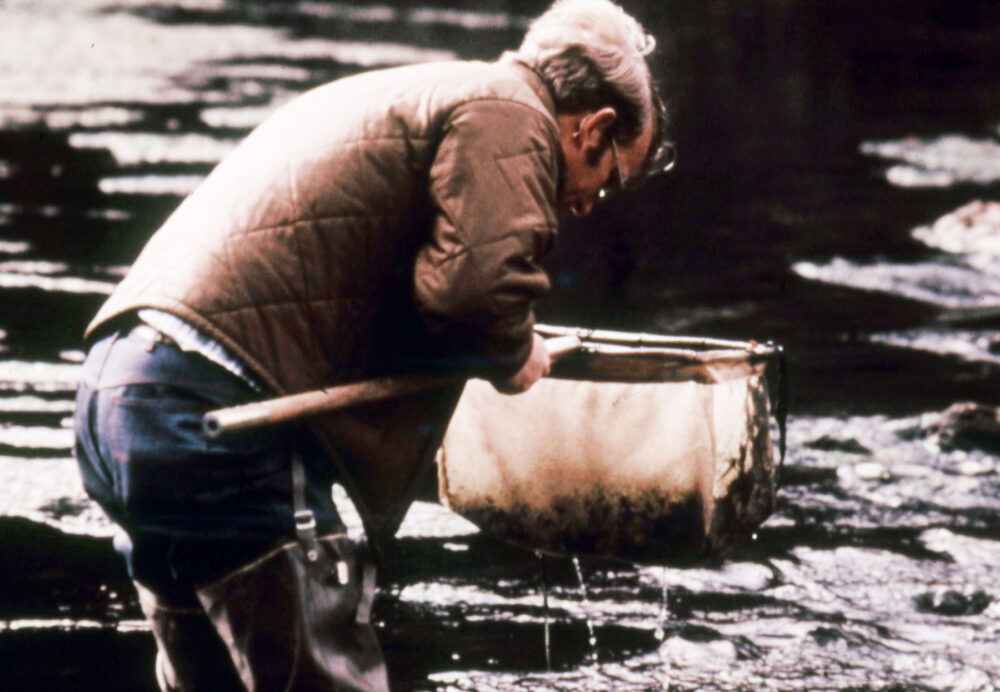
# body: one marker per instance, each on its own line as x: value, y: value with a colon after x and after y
x: 208, y: 532
x: 191, y: 509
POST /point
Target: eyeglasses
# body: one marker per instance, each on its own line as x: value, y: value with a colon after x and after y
x: 663, y: 161
x: 606, y: 192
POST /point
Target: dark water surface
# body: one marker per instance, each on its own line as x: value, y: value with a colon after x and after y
x: 838, y: 191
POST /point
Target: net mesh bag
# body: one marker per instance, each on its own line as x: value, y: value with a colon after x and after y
x: 644, y: 447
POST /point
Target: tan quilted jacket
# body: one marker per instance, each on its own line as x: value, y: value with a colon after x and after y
x: 388, y: 222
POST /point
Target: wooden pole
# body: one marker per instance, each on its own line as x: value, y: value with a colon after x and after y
x: 294, y: 406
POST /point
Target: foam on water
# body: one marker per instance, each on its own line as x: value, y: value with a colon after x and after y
x: 971, y: 230
x: 33, y: 267
x: 383, y: 14
x: 264, y: 73
x: 52, y: 276
x: 736, y: 576
x: 47, y: 282
x: 14, y: 247
x: 377, y: 14
x: 465, y: 19
x: 34, y: 404
x: 374, y: 54
x: 90, y: 117
x: 969, y: 345
x: 36, y: 437
x: 939, y: 162
x: 67, y: 624
x: 242, y: 118
x: 177, y: 185
x: 970, y: 234
x: 946, y: 285
x: 134, y: 148
x: 20, y: 376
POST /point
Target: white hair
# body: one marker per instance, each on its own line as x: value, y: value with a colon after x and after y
x: 575, y: 38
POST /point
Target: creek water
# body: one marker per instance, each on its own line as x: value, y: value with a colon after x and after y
x: 836, y: 192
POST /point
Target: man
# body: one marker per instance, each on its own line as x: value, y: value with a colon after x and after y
x: 387, y: 223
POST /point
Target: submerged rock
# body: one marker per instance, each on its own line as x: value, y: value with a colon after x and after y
x: 962, y: 426
x: 953, y: 602
x: 968, y: 426
x: 832, y: 444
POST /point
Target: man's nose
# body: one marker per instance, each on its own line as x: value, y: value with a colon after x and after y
x: 582, y: 207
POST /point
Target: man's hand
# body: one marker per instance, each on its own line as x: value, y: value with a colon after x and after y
x: 535, y: 368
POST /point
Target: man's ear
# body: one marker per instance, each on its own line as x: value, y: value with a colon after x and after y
x: 594, y: 126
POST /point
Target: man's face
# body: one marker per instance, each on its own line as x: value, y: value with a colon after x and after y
x: 592, y: 164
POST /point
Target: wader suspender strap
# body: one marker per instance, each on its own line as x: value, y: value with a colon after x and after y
x: 305, y: 521
x: 305, y: 532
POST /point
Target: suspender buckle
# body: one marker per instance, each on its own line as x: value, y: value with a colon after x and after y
x: 304, y: 521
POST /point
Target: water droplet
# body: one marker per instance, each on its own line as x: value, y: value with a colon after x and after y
x: 545, y: 610
x: 661, y: 617
x: 592, y: 638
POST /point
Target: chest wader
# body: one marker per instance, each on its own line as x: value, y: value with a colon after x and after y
x: 299, y: 617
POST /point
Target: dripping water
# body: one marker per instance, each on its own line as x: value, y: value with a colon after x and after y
x: 545, y: 609
x: 591, y: 637
x: 661, y: 617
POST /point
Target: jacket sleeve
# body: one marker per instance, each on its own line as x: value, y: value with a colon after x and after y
x: 493, y: 184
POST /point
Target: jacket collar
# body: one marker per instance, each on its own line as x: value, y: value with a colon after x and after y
x: 534, y: 80
x: 544, y: 93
